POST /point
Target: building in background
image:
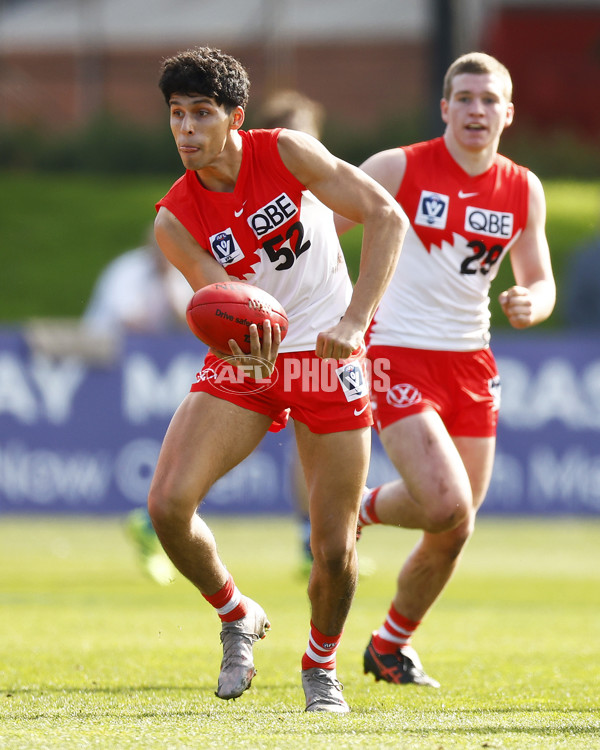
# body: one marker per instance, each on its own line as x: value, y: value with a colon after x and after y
x: 552, y: 48
x: 63, y: 61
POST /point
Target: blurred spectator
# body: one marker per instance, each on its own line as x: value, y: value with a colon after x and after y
x: 291, y: 109
x: 582, y: 288
x: 139, y: 291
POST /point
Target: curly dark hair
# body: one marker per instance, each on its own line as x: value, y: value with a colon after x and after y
x: 206, y: 71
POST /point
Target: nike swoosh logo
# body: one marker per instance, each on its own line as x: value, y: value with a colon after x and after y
x: 466, y: 195
x: 358, y: 412
x: 237, y: 214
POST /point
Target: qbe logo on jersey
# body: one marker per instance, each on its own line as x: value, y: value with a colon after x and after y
x: 225, y: 247
x: 272, y: 215
x: 489, y: 223
x: 353, y: 381
x: 432, y: 210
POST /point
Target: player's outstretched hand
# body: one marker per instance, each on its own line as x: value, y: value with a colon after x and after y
x: 517, y: 305
x: 260, y: 363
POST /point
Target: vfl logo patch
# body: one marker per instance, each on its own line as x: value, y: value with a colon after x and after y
x: 432, y: 210
x: 353, y: 381
x: 402, y: 395
x: 225, y: 248
x: 273, y: 215
x: 495, y: 389
x: 490, y: 223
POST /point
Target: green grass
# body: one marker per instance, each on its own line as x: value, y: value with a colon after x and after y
x: 58, y: 232
x: 94, y: 655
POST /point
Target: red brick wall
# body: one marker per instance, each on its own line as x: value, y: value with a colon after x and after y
x: 358, y: 83
x: 554, y: 59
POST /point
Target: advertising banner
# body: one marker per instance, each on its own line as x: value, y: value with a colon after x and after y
x: 81, y: 434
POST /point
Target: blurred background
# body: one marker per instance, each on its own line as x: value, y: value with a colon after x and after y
x: 85, y: 152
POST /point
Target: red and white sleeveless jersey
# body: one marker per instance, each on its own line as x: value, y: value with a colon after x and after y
x: 461, y: 227
x: 273, y: 233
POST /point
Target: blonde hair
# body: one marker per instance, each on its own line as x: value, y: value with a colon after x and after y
x: 480, y: 64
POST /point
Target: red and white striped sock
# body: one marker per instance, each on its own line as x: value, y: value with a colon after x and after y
x: 228, y: 602
x: 395, y: 632
x: 366, y: 514
x: 321, y: 650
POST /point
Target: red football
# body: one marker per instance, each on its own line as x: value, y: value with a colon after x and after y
x: 225, y: 310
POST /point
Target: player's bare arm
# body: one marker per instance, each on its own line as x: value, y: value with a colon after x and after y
x: 350, y: 192
x: 184, y: 252
x: 387, y: 168
x: 532, y: 299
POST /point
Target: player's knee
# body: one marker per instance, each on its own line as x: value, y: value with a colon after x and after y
x: 463, y: 532
x: 333, y: 555
x: 452, y: 510
x: 165, y: 510
x: 455, y: 541
x: 159, y: 509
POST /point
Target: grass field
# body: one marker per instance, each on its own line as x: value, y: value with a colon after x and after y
x: 95, y: 655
